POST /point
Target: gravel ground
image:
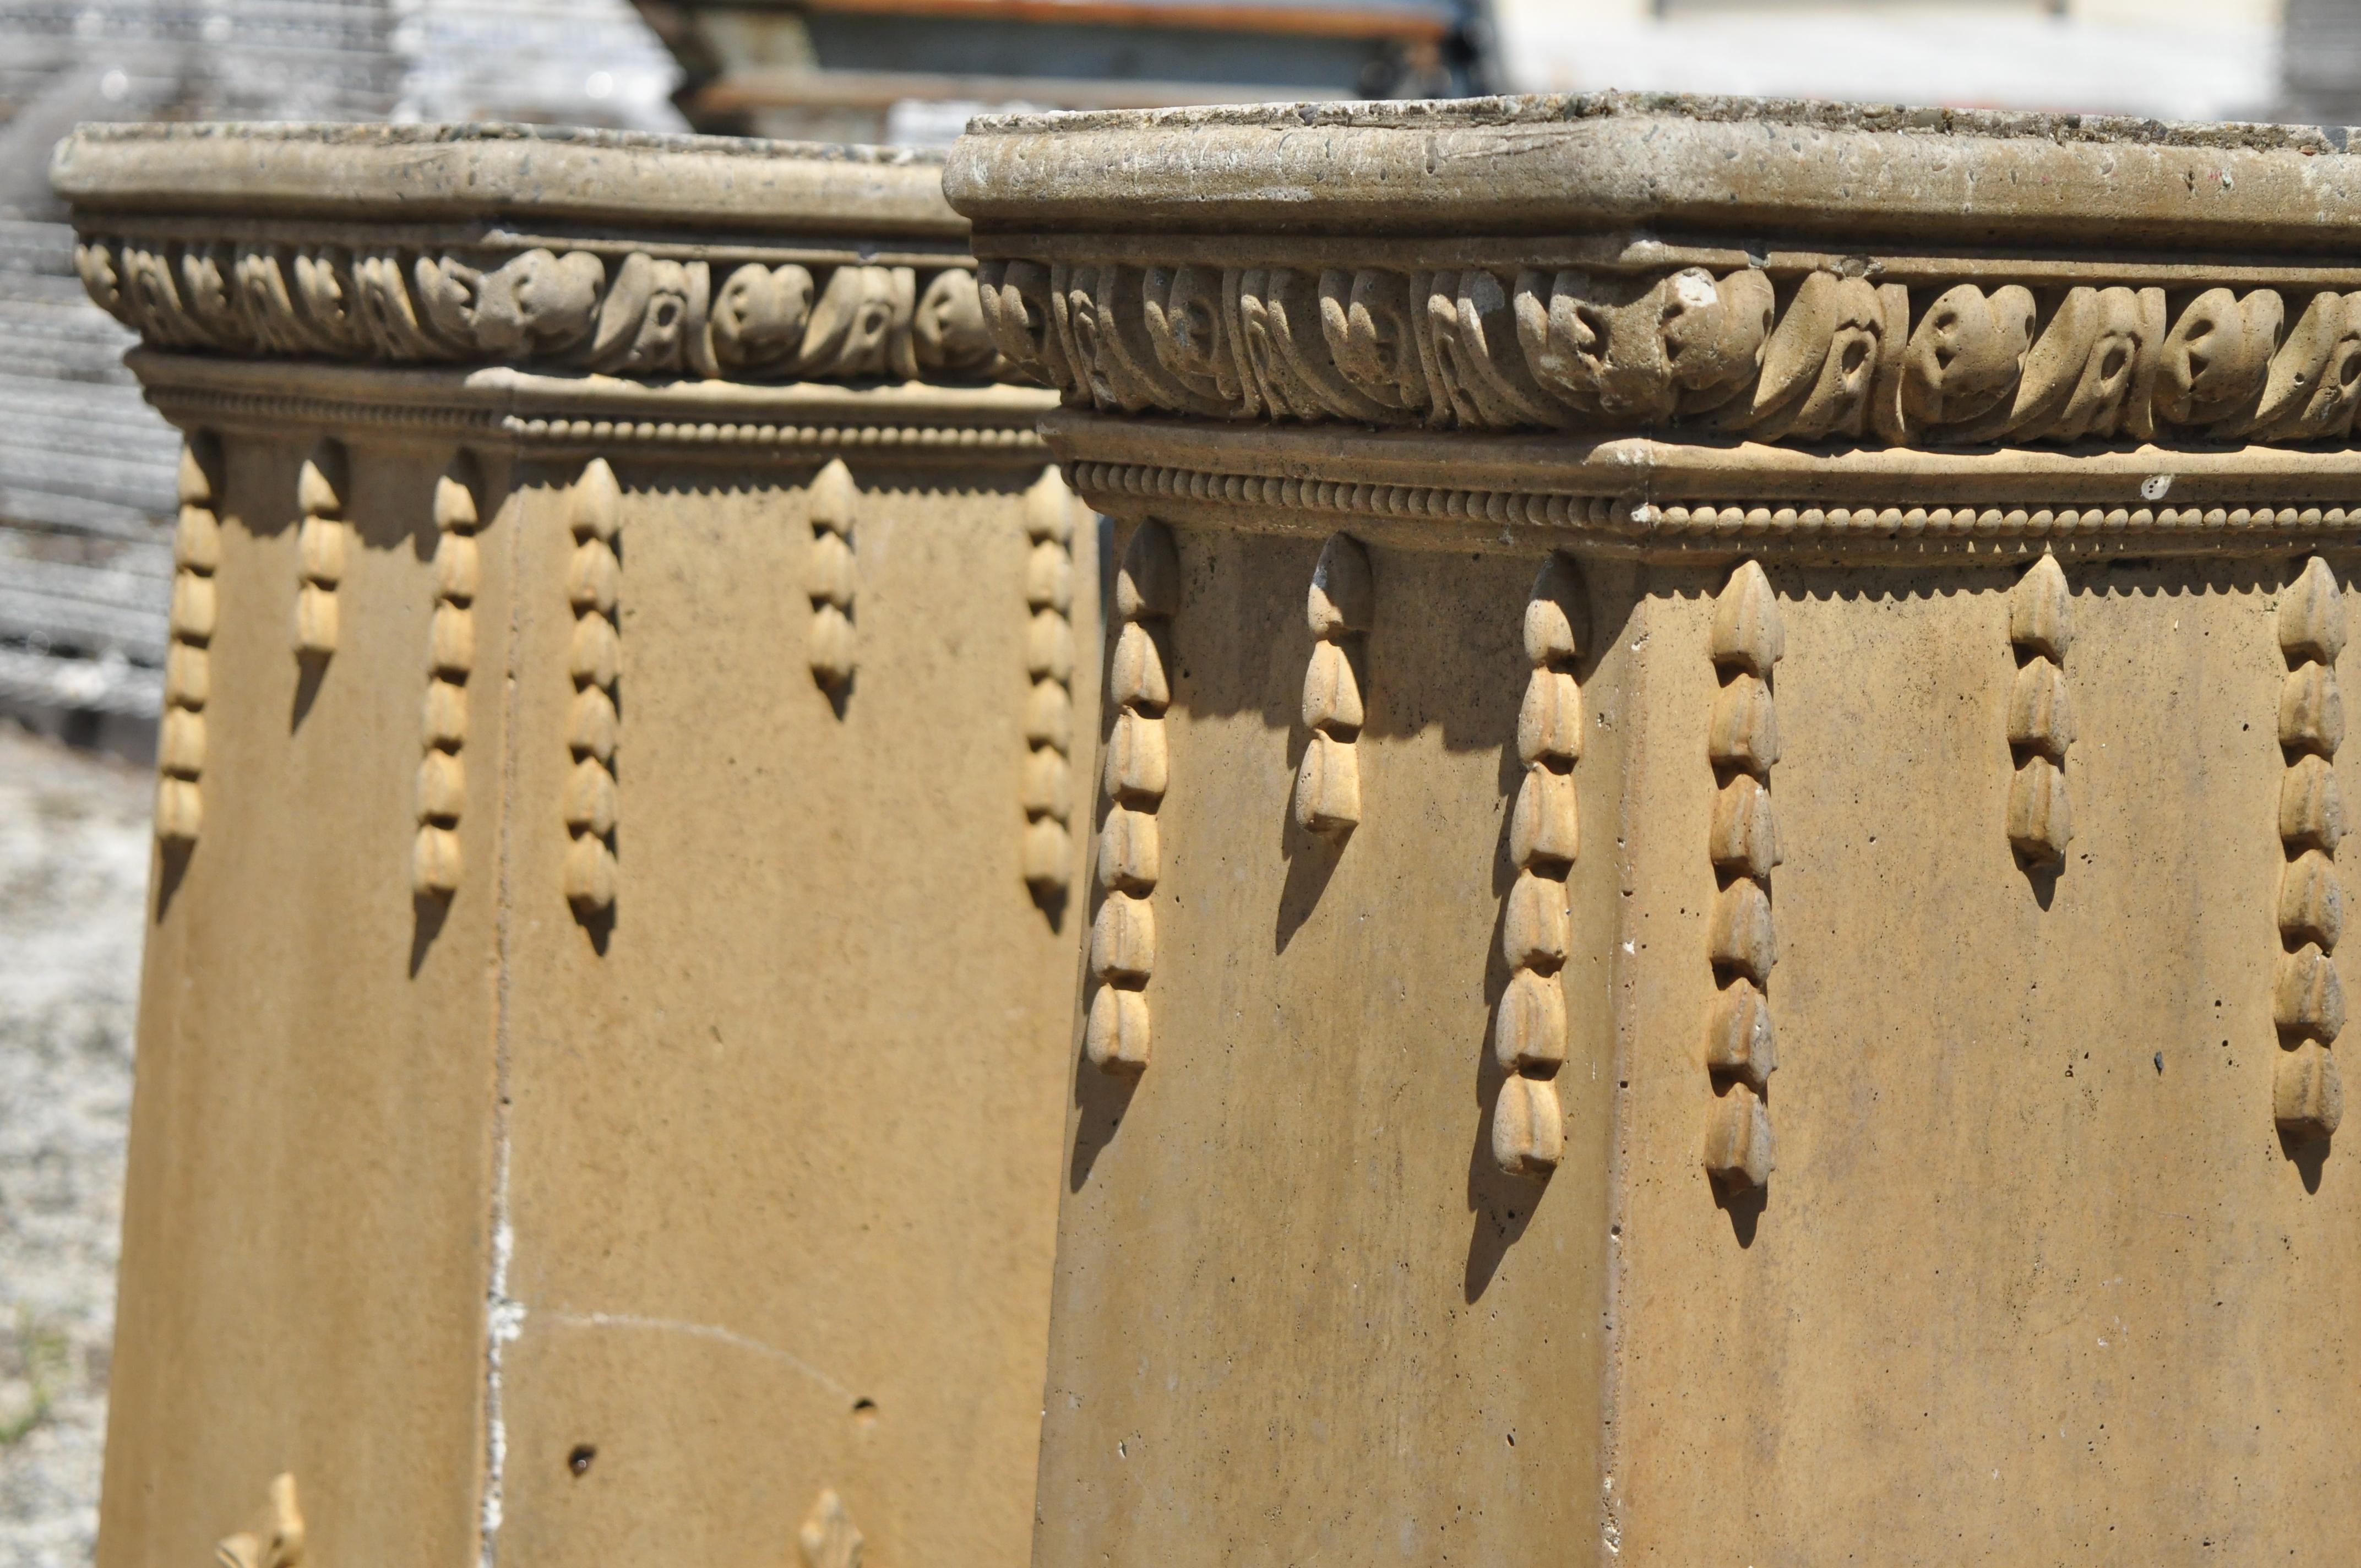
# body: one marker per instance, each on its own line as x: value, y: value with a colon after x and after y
x: 73, y: 879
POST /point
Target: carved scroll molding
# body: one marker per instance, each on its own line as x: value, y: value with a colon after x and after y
x: 1620, y: 524
x: 275, y: 1540
x: 1529, y: 1035
x: 1048, y: 788
x: 829, y: 577
x: 593, y: 583
x: 1340, y: 608
x: 188, y: 658
x: 2307, y: 999
x: 642, y: 312
x: 323, y: 544
x: 2040, y: 719
x: 1122, y: 934
x: 1803, y: 357
x: 1748, y: 640
x: 435, y: 858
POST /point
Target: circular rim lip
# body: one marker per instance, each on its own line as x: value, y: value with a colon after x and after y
x: 1883, y: 178
x: 1500, y: 111
x: 411, y: 173
x: 454, y: 133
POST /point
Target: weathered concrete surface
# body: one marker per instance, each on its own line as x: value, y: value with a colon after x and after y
x: 1657, y: 162
x: 445, y: 172
x: 607, y: 1011
x: 1517, y: 503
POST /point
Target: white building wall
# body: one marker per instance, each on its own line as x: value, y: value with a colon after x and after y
x: 2178, y: 59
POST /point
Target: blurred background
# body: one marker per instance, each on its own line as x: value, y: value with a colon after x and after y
x: 86, y: 468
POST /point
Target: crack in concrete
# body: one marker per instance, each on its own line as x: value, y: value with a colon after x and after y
x: 696, y: 1331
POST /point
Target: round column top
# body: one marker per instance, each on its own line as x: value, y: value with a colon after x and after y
x: 1561, y: 164
x: 420, y: 173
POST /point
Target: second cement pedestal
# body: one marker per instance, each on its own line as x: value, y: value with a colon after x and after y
x: 1559, y: 537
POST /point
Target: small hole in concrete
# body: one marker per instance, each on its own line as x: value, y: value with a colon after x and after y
x: 864, y: 1412
x: 580, y: 1460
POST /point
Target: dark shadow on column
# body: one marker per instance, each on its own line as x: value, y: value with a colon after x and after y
x: 1313, y: 858
x: 598, y: 925
x: 1312, y: 861
x: 1744, y: 1209
x: 171, y: 868
x: 311, y: 669
x: 2308, y: 1157
x: 1500, y: 1205
x: 427, y: 913
x: 1102, y: 1099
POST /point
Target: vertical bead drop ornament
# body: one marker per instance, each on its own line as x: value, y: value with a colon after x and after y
x: 829, y: 576
x: 828, y: 1538
x: 188, y: 656
x: 1529, y: 1032
x: 1748, y: 640
x: 275, y: 1538
x: 1123, y: 933
x: 1339, y: 608
x: 1048, y: 786
x: 435, y: 863
x: 323, y: 541
x: 2307, y: 999
x: 2041, y: 722
x: 593, y: 584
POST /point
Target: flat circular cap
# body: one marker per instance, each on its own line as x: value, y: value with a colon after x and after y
x: 447, y: 173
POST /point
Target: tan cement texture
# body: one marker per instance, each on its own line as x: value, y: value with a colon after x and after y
x: 1761, y: 984
x: 311, y: 1149
x: 783, y: 1160
x: 2024, y: 1277
x: 1299, y: 1312
x: 610, y: 983
x: 2036, y: 1276
x: 758, y: 1172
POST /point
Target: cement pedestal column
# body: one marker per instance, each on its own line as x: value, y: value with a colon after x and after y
x: 1813, y: 1031
x: 608, y: 1004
